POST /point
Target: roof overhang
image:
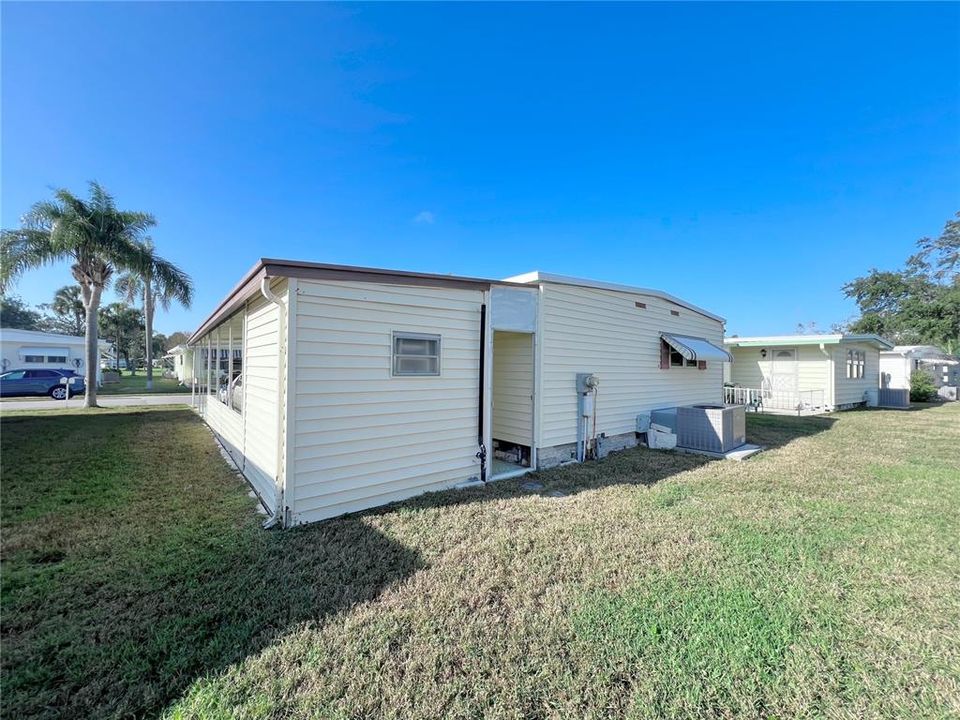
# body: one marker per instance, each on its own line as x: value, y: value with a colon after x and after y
x: 917, y: 351
x: 938, y: 361
x: 695, y: 348
x: 44, y: 350
x: 537, y: 277
x: 273, y: 268
x: 795, y: 340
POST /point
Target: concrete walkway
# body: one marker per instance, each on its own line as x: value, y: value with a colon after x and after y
x: 103, y: 400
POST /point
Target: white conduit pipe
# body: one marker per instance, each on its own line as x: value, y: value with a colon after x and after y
x: 281, y: 347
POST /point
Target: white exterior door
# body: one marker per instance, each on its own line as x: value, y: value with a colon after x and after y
x: 783, y: 378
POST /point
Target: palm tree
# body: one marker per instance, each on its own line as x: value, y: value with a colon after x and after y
x: 152, y: 289
x: 120, y: 322
x: 98, y: 239
x: 68, y: 305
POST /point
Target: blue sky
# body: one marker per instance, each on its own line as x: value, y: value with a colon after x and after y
x: 750, y: 158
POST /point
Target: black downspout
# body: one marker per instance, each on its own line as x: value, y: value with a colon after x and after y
x: 482, y: 452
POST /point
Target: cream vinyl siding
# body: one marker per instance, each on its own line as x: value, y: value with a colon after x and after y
x: 749, y: 369
x: 849, y: 391
x: 228, y: 425
x: 362, y: 437
x: 513, y: 387
x: 602, y: 331
x: 261, y: 400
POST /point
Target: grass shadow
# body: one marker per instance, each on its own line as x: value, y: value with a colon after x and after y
x: 133, y: 565
x: 776, y: 431
x: 129, y: 573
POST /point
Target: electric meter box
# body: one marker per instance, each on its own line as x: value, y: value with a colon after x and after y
x: 587, y: 382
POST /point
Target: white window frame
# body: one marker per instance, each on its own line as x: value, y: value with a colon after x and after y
x: 684, y: 362
x: 856, y: 364
x: 403, y: 335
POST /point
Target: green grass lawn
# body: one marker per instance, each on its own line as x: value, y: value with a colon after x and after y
x: 136, y: 384
x: 818, y: 579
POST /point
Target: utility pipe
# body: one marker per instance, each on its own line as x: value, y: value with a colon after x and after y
x: 482, y: 451
x: 281, y: 351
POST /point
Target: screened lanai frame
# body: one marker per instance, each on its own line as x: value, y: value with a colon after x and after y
x: 218, y: 362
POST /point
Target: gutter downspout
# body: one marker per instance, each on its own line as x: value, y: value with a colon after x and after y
x: 482, y: 451
x: 831, y: 375
x: 281, y: 353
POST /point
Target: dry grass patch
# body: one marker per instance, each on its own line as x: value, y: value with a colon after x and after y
x: 818, y: 579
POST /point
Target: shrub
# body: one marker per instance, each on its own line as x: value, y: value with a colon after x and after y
x: 922, y: 386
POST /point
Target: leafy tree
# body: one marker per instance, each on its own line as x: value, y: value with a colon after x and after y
x: 97, y: 238
x: 69, y: 315
x: 177, y: 338
x: 153, y: 289
x: 919, y: 304
x: 122, y: 327
x: 15, y: 313
x: 940, y: 258
x: 159, y: 344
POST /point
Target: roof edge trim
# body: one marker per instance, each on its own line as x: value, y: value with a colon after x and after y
x: 541, y: 277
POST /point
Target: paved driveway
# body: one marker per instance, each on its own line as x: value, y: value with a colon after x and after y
x: 104, y: 400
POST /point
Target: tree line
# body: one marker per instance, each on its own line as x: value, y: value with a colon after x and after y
x: 918, y: 304
x: 106, y: 247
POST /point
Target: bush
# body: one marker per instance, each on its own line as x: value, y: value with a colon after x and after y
x: 922, y: 386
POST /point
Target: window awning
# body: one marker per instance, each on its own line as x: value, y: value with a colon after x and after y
x: 694, y: 348
x: 59, y: 351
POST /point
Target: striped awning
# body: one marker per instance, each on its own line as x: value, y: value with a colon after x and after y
x: 694, y: 348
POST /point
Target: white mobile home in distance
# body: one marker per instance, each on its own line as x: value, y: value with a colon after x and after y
x: 339, y: 388
x: 33, y: 349
x: 181, y: 357
x: 804, y: 372
x: 898, y: 364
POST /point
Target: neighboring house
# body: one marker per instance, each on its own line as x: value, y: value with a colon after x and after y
x: 339, y: 388
x: 896, y: 366
x: 809, y: 372
x: 34, y: 349
x: 181, y: 357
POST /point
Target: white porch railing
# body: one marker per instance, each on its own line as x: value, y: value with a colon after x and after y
x: 767, y: 399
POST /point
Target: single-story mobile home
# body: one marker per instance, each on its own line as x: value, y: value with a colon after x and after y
x: 897, y: 364
x: 33, y: 349
x: 339, y: 388
x: 181, y: 357
x: 812, y: 372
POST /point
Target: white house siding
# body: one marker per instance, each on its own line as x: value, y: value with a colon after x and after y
x: 604, y: 332
x: 749, y: 368
x: 513, y: 387
x: 848, y: 391
x: 15, y: 344
x: 228, y: 425
x: 361, y: 436
x: 898, y: 368
x: 262, y: 355
x: 183, y: 366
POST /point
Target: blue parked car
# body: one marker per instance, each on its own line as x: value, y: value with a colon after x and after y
x: 40, y: 382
